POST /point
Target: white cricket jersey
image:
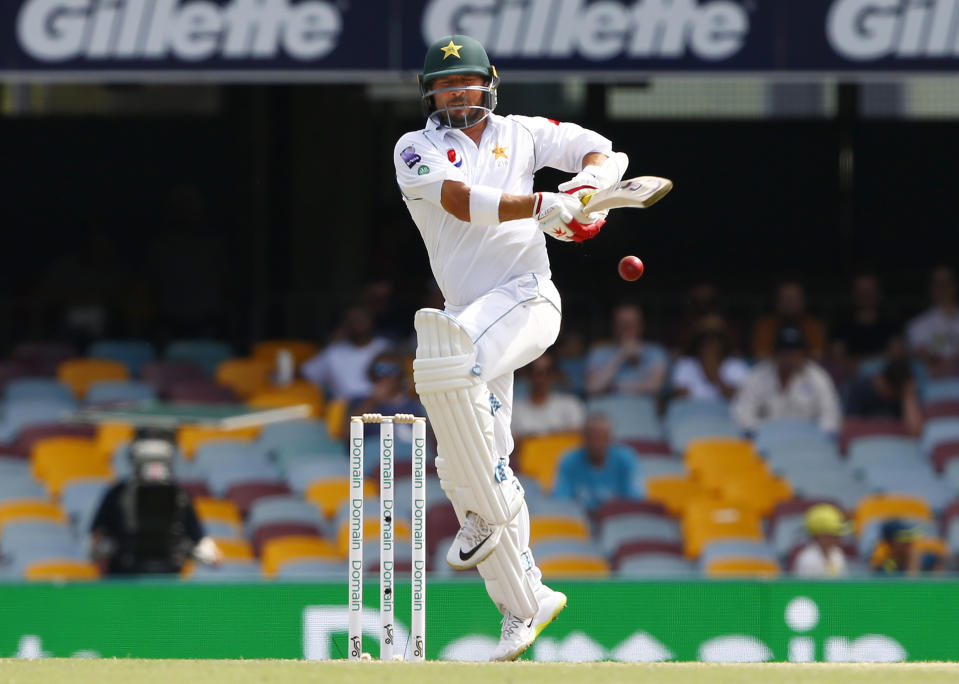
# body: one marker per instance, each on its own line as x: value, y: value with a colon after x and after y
x: 467, y: 259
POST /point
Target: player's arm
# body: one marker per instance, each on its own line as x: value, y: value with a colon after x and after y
x: 555, y: 213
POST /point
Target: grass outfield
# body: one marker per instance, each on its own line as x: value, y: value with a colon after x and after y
x: 84, y: 671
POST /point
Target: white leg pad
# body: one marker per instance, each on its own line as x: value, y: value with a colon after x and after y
x: 511, y: 576
x: 458, y: 404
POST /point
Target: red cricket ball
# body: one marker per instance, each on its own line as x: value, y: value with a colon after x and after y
x: 630, y: 268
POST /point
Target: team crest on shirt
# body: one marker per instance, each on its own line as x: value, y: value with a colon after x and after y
x: 451, y: 155
x: 409, y: 157
x: 500, y: 157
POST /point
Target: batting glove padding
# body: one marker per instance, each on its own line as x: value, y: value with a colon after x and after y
x: 554, y: 212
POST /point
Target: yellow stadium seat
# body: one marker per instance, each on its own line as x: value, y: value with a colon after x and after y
x: 673, y: 491
x: 755, y: 490
x: 301, y: 350
x: 539, y: 456
x: 329, y: 493
x: 707, y: 458
x: 299, y: 392
x: 111, y: 435
x: 59, y: 475
x: 30, y: 509
x: 336, y: 418
x: 545, y: 527
x: 923, y: 546
x: 208, y: 508
x: 371, y: 533
x: 79, y: 374
x: 561, y: 567
x: 61, y: 571
x: 890, y: 506
x: 246, y: 377
x: 281, y: 550
x: 189, y: 437
x: 234, y: 549
x: 705, y: 521
x: 742, y: 567
x: 48, y: 452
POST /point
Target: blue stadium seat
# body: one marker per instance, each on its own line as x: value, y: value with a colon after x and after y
x: 632, y: 417
x: 915, y: 480
x: 315, y: 569
x: 38, y: 389
x: 133, y: 353
x: 884, y: 451
x: 113, y: 391
x: 937, y: 431
x: 210, y: 455
x: 738, y: 548
x: 694, y: 409
x: 20, y: 414
x: 275, y: 509
x: 229, y: 571
x: 207, y: 354
x: 684, y: 431
x: 80, y: 500
x: 222, y: 476
x: 831, y: 484
x: 802, y: 454
x: 656, y: 565
x: 939, y: 389
x: 301, y: 473
x: 771, y: 433
x: 617, y: 530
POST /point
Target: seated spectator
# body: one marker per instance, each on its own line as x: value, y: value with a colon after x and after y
x: 790, y: 385
x: 790, y: 310
x: 546, y: 410
x: 701, y: 300
x: 389, y: 395
x: 146, y: 524
x: 340, y: 369
x: 865, y: 331
x: 598, y: 471
x: 903, y: 551
x: 708, y: 372
x: 890, y: 393
x: 933, y: 336
x: 628, y: 364
x: 823, y: 556
x: 570, y: 356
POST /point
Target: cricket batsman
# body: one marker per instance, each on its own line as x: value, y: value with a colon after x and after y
x: 467, y: 180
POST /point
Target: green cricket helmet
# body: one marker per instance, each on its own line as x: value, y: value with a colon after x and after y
x: 450, y: 56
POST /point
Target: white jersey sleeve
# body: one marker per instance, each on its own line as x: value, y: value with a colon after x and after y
x: 421, y: 168
x: 562, y: 145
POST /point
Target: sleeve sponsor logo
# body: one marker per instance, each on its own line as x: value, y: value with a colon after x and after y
x: 409, y: 157
x: 451, y: 155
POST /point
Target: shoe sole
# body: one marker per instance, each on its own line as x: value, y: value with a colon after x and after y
x: 539, y: 630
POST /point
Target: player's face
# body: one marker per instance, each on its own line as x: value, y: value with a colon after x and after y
x: 470, y: 100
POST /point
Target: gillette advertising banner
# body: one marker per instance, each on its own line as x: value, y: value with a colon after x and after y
x: 361, y: 40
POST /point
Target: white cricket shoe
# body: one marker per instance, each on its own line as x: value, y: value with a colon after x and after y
x: 474, y: 543
x: 518, y: 634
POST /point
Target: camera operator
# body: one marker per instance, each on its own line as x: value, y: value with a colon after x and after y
x: 146, y: 523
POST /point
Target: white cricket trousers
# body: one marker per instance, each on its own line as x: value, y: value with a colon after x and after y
x: 511, y: 326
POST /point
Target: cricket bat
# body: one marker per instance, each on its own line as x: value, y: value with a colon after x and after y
x: 640, y: 192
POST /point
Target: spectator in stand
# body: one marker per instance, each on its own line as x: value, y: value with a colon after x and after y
x: 598, y: 471
x: 823, y: 556
x: 545, y: 410
x: 933, y: 336
x: 791, y: 385
x: 628, y: 364
x: 889, y: 393
x: 790, y: 310
x: 341, y: 368
x: 389, y: 395
x: 708, y: 372
x: 865, y: 331
x: 902, y: 550
x: 570, y: 351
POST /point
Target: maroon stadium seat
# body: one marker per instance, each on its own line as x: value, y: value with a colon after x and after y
x: 941, y: 409
x: 649, y: 447
x: 165, y: 374
x: 245, y: 493
x: 202, y: 392
x: 853, y: 428
x: 31, y: 433
x: 11, y: 369
x: 195, y: 488
x: 638, y: 548
x: 43, y: 357
x: 625, y: 506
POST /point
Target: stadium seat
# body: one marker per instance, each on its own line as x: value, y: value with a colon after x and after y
x: 20, y: 416
x: 684, y: 431
x: 164, y: 374
x: 217, y: 509
x: 190, y: 437
x: 640, y: 548
x: 630, y: 416
x: 673, y: 491
x: 620, y: 530
x: 31, y: 434
x: 950, y: 474
x: 615, y: 507
x: 693, y: 409
x: 79, y: 374
x: 756, y: 490
x: 283, y: 509
x: 884, y: 506
x: 742, y: 567
x: 546, y: 527
x: 918, y: 481
x: 134, y: 354
x: 20, y: 487
x: 706, y: 520
x: 20, y: 534
x: 834, y: 484
x: 313, y: 570
x: 301, y: 392
x: 11, y: 369
x: 64, y: 473
x: 43, y: 356
x: 941, y: 389
x: 573, y: 567
x: 371, y: 526
x: 245, y: 493
x: 656, y: 565
x: 855, y: 428
x: 30, y: 509
x: 301, y: 472
x: 711, y: 460
x: 652, y: 467
x: 234, y: 549
x: 946, y: 408
x: 329, y: 493
x: 207, y: 354
x: 884, y: 451
x: 224, y: 476
x: 211, y: 455
x: 770, y: 433
x: 201, y: 392
x: 736, y: 548
x: 32, y: 388
x: 802, y: 454
x: 539, y: 457
x: 228, y: 571
x: 245, y: 376
x: 936, y: 432
x: 300, y: 350
x: 61, y: 571
x: 267, y: 531
x: 80, y: 498
x: 49, y: 452
x: 282, y: 550
x: 115, y: 391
